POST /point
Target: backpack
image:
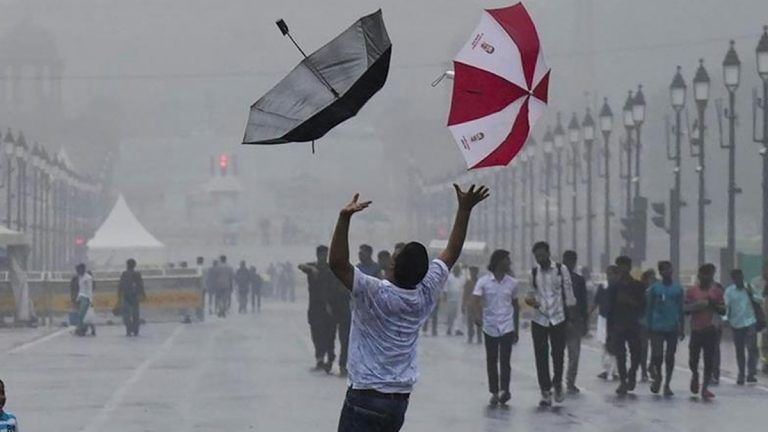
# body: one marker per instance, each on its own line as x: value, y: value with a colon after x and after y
x: 534, y: 273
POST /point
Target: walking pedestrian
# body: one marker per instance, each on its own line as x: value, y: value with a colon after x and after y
x: 202, y: 271
x: 130, y: 293
x: 578, y: 321
x: 224, y: 287
x: 8, y: 421
x: 319, y: 311
x: 739, y: 298
x: 454, y: 289
x: 84, y: 297
x: 497, y: 291
x: 341, y: 320
x: 608, y: 359
x: 256, y: 284
x: 387, y: 317
x: 703, y: 302
x: 648, y: 278
x: 367, y: 265
x: 243, y: 282
x: 666, y: 325
x: 626, y: 306
x: 763, y: 282
x: 550, y: 296
x: 211, y: 284
x: 471, y: 310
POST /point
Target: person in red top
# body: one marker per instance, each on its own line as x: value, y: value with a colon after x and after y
x: 703, y: 302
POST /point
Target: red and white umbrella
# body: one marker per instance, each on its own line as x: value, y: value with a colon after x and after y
x: 500, y: 87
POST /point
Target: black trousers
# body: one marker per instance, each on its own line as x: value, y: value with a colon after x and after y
x: 546, y: 339
x: 745, y: 339
x: 321, y: 329
x: 370, y: 411
x: 645, y: 341
x: 703, y: 341
x: 131, y: 316
x: 659, y: 355
x: 498, y: 350
x: 623, y: 338
x: 341, y: 326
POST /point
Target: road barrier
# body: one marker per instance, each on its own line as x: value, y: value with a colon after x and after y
x: 171, y: 294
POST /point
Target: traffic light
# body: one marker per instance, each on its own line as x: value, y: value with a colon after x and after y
x: 223, y: 163
x: 660, y: 217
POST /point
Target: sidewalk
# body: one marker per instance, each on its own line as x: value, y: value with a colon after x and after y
x: 13, y: 337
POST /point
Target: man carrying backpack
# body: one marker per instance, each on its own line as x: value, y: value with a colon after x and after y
x: 130, y: 292
x: 550, y: 295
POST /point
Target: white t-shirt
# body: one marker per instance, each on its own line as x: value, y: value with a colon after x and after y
x: 85, y: 285
x: 498, y: 312
x: 386, y: 323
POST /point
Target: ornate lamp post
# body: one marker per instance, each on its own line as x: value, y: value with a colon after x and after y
x: 21, y: 184
x: 731, y: 78
x: 548, y: 147
x: 9, y: 145
x: 606, y: 126
x: 677, y: 96
x: 574, y: 136
x: 762, y: 69
x: 559, y: 140
x: 588, y: 129
x: 701, y: 85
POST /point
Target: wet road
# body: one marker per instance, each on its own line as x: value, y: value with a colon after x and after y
x: 252, y: 373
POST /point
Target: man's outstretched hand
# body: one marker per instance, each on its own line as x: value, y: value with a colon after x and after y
x: 470, y: 198
x: 355, y: 206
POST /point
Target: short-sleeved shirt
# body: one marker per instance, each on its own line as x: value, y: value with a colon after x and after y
x: 498, y: 312
x: 664, y: 310
x: 705, y: 318
x: 386, y: 323
x: 85, y: 285
x: 550, y: 287
x: 8, y: 422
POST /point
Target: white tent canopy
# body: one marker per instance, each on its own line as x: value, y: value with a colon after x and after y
x: 122, y: 236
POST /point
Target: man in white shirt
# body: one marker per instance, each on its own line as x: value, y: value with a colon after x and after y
x: 551, y: 293
x: 84, y: 297
x: 387, y: 318
x: 498, y: 292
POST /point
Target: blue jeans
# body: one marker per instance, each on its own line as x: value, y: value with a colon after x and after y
x: 367, y: 413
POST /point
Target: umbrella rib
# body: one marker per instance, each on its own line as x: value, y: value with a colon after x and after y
x: 315, y: 72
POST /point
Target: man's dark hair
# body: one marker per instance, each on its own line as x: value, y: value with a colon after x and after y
x: 663, y: 264
x: 200, y: 260
x: 708, y: 268
x: 79, y: 267
x: 384, y: 254
x: 540, y: 245
x: 624, y: 261
x: 223, y: 259
x: 569, y: 256
x: 411, y: 265
x: 321, y: 248
x: 736, y: 272
x: 366, y: 248
x: 496, y: 257
x: 131, y: 263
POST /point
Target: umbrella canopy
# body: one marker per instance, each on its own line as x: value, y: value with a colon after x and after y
x: 499, y: 89
x: 329, y: 86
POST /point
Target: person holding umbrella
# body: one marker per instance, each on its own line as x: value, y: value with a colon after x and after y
x: 387, y: 317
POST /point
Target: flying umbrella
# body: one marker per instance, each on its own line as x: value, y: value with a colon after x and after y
x: 328, y: 87
x: 500, y: 87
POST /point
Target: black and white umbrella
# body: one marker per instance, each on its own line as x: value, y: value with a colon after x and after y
x: 328, y: 87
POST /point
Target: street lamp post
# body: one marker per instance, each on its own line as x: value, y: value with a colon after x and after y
x: 677, y: 95
x: 559, y: 139
x: 701, y: 84
x: 548, y: 146
x: 34, y: 161
x: 629, y: 125
x: 588, y: 129
x: 9, y: 145
x: 574, y: 136
x: 531, y: 152
x: 731, y: 78
x: 762, y: 70
x: 523, y: 208
x: 606, y: 126
x: 638, y: 117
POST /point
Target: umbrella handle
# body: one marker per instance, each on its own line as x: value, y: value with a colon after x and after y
x: 446, y: 74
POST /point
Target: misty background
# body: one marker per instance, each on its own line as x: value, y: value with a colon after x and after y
x: 150, y: 91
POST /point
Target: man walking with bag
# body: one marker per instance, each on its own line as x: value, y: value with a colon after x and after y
x: 740, y: 304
